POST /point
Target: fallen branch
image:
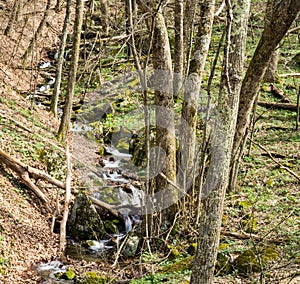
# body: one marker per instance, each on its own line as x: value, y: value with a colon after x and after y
x: 289, y: 75
x: 245, y: 236
x: 274, y: 160
x: 26, y: 172
x: 106, y: 206
x: 281, y: 156
x: 285, y: 106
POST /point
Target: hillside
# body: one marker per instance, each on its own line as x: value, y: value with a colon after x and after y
x: 260, y: 237
x: 26, y: 238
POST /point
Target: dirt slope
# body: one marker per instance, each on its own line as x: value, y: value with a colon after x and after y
x: 25, y: 235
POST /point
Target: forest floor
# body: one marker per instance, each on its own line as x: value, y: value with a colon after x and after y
x: 265, y: 210
x: 25, y: 235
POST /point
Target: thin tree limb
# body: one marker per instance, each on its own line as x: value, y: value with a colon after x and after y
x: 275, y: 161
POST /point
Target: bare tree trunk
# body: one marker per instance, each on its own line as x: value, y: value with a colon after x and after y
x: 178, y: 48
x: 105, y: 17
x: 271, y: 73
x: 60, y: 60
x: 191, y: 92
x: 13, y: 17
x: 37, y: 34
x: 130, y: 8
x: 188, y: 28
x: 65, y: 122
x: 214, y: 188
x: 164, y: 104
x: 279, y: 17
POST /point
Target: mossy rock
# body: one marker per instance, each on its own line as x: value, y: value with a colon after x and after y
x: 68, y: 275
x: 223, y: 266
x: 131, y: 246
x: 84, y: 222
x: 112, y: 226
x: 251, y: 260
x: 123, y: 145
x: 247, y: 262
x: 109, y: 194
x: 93, y: 278
x: 180, y: 266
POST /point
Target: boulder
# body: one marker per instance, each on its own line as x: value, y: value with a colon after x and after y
x: 84, y: 221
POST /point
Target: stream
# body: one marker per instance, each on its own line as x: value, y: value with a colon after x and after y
x: 109, y: 177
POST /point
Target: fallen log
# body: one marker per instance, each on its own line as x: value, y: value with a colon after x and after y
x: 278, y: 93
x: 106, y: 206
x: 285, y: 106
x: 26, y: 172
x: 295, y: 75
x: 245, y: 236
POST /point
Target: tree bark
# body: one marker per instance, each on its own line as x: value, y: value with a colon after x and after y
x: 188, y: 27
x: 178, y: 48
x: 164, y: 115
x: 271, y: 73
x: 37, y: 34
x: 214, y: 188
x: 192, y: 91
x: 65, y: 123
x: 279, y: 17
x: 60, y: 61
x: 285, y: 106
x: 105, y: 16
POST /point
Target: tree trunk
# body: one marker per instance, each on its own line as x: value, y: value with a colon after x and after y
x: 279, y: 17
x: 65, y: 122
x: 188, y: 27
x: 191, y: 93
x: 164, y: 106
x: 271, y: 74
x: 130, y: 8
x: 105, y: 17
x: 60, y: 61
x: 178, y: 48
x: 14, y: 15
x: 214, y: 188
x: 37, y: 34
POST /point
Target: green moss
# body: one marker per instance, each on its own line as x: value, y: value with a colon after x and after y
x: 223, y: 265
x: 192, y: 249
x: 180, y: 266
x: 247, y: 262
x: 93, y: 278
x: 68, y: 275
x: 251, y: 260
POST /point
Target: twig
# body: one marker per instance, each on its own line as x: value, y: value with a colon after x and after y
x: 62, y: 239
x: 274, y: 160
